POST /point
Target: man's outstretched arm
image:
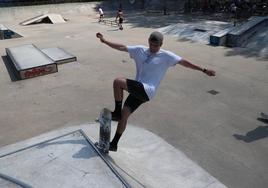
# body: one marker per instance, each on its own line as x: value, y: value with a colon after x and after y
x: 116, y: 46
x: 187, y: 64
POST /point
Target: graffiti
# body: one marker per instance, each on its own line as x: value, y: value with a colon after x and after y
x: 38, y: 71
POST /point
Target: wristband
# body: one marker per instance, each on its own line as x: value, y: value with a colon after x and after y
x: 204, y: 70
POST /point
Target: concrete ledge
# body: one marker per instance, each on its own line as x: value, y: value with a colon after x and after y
x: 61, y: 159
x: 59, y: 55
x: 238, y: 36
x: 30, y: 62
x: 219, y: 38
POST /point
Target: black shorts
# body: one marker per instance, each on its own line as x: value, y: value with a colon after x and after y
x: 120, y: 20
x: 137, y: 95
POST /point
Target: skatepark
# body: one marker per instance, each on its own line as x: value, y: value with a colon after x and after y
x: 197, y: 132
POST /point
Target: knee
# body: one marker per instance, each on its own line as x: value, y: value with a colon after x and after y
x: 119, y: 82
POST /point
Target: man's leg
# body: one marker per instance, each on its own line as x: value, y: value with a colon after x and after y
x: 131, y: 104
x: 136, y: 97
x: 119, y: 85
x: 121, y: 126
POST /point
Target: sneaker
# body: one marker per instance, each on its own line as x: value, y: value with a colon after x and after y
x: 113, y: 147
x: 115, y: 117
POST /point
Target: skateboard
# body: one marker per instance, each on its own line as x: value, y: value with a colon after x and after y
x: 104, y: 119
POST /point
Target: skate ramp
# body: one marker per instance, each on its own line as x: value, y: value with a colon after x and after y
x: 6, y: 33
x: 44, y: 18
x: 241, y: 34
x: 69, y: 161
x: 68, y: 158
x: 195, y: 31
x: 28, y: 61
x: 259, y: 43
x: 59, y: 55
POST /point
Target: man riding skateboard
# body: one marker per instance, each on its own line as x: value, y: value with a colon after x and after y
x: 151, y: 66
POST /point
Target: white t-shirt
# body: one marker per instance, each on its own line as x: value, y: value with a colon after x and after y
x: 151, y: 67
x: 100, y: 11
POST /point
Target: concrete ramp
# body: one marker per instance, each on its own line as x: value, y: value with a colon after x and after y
x: 67, y: 158
x: 6, y: 33
x: 59, y: 55
x: 242, y: 34
x: 44, y: 18
x: 195, y: 31
x: 30, y: 62
x: 68, y: 161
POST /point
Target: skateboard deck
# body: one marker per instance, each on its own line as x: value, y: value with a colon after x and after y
x: 104, y: 119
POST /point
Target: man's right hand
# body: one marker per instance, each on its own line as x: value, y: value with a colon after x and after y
x: 116, y: 46
x: 100, y: 36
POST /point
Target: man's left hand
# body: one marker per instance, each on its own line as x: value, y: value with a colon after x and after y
x: 210, y: 72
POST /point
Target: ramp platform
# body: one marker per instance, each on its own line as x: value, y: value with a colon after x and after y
x: 30, y: 62
x: 219, y: 38
x: 241, y: 34
x: 59, y: 55
x: 70, y: 160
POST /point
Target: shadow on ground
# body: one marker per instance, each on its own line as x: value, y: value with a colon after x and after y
x: 84, y: 153
x: 258, y: 133
x: 260, y: 53
x: 10, y: 69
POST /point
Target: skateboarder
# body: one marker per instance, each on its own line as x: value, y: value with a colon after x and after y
x: 101, y: 14
x: 120, y: 18
x: 151, y: 66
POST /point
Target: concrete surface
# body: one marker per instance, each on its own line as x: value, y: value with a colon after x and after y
x: 184, y: 113
x: 65, y: 158
x: 59, y: 55
x: 65, y: 161
x: 28, y: 56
